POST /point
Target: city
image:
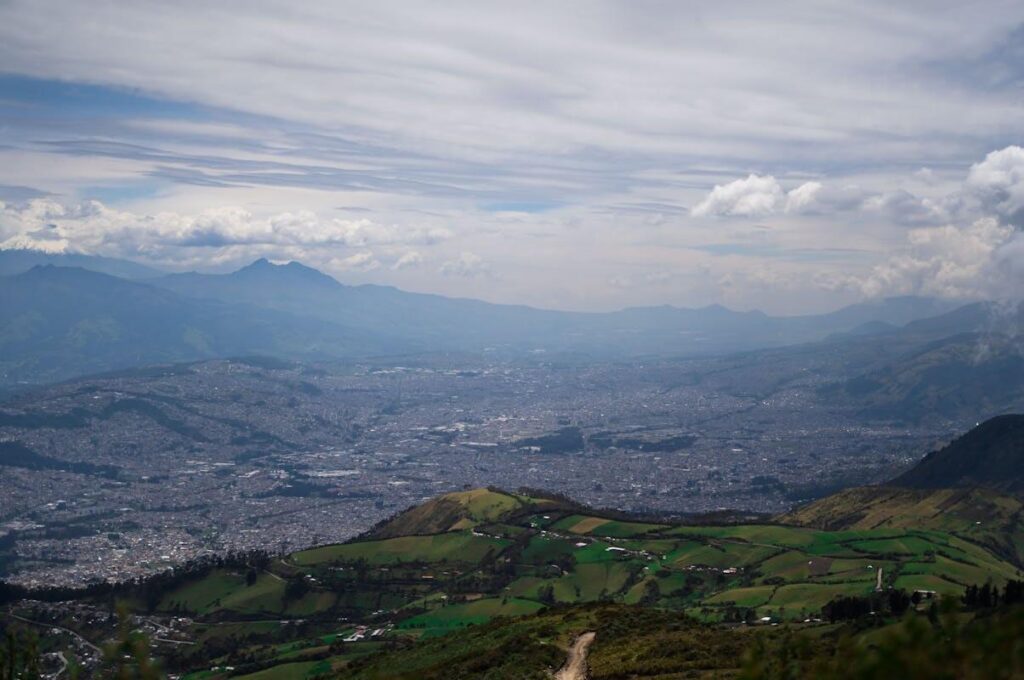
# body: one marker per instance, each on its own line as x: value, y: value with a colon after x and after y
x: 236, y: 455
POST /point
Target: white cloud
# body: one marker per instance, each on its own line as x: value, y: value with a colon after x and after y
x: 926, y: 176
x: 756, y: 196
x: 984, y: 259
x: 998, y: 183
x: 364, y: 262
x: 803, y: 197
x: 409, y: 259
x: 953, y: 262
x: 91, y: 227
x: 467, y: 265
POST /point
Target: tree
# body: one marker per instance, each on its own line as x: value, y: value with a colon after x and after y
x: 295, y: 588
x: 651, y: 594
x: 19, y: 657
x: 127, y: 658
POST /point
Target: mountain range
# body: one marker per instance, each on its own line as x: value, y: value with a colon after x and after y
x: 60, y: 321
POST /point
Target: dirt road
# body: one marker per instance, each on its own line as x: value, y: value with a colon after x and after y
x: 575, y: 667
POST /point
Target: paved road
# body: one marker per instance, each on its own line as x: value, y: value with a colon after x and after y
x: 575, y: 667
x: 63, y: 665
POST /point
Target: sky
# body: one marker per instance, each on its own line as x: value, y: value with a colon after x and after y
x: 591, y: 155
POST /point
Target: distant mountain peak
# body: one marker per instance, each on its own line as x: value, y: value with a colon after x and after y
x: 264, y: 268
x: 14, y: 262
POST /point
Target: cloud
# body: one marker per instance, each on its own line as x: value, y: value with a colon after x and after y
x: 756, y: 196
x: 583, y: 104
x: 803, y: 197
x: 902, y: 207
x: 760, y: 196
x: 393, y: 114
x: 466, y: 265
x: 409, y: 259
x: 998, y: 183
x: 976, y: 261
x: 981, y: 258
x: 92, y: 227
x: 362, y: 262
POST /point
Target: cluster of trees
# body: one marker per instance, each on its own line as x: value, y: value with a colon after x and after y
x: 850, y: 607
x: 988, y: 595
x: 19, y: 656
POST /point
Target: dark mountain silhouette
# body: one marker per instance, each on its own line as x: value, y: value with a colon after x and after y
x: 990, y: 455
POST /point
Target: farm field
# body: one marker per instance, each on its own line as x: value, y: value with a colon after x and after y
x: 456, y: 546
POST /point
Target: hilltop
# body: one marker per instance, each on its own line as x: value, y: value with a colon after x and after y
x: 460, y: 510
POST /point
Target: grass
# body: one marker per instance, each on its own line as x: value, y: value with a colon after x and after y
x: 206, y: 594
x: 265, y: 595
x: 616, y: 529
x: 753, y: 596
x: 589, y: 582
x: 457, y: 547
x: 545, y: 549
x: 912, y: 582
x: 719, y: 554
x: 470, y: 613
x: 290, y: 671
x: 813, y: 596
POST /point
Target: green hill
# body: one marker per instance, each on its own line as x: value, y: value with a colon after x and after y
x: 458, y: 510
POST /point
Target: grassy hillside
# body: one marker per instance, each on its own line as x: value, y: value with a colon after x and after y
x: 458, y: 510
x: 980, y: 516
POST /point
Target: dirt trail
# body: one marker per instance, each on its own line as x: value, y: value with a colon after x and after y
x: 575, y: 667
